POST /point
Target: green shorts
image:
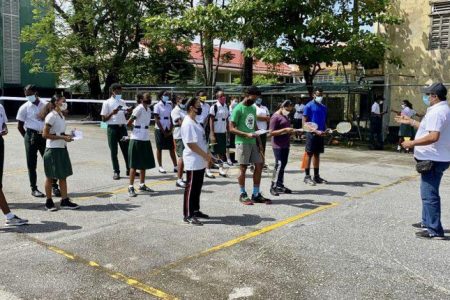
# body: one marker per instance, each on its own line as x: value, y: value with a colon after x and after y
x: 179, y: 146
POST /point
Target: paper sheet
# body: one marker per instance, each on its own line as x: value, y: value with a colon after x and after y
x: 77, y: 135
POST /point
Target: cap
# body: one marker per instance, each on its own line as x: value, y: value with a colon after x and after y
x: 438, y: 89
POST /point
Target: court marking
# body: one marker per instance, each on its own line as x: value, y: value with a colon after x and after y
x: 132, y: 282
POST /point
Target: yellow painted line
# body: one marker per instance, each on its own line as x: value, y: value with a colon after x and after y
x: 245, y: 237
x: 133, y: 282
x: 386, y: 186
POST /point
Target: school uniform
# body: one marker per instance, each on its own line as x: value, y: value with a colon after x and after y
x: 3, y: 121
x: 194, y: 164
x: 262, y: 111
x: 178, y: 114
x: 406, y: 130
x: 202, y: 119
x: 220, y: 114
x: 376, y: 126
x: 28, y: 113
x: 298, y: 115
x: 56, y: 157
x: 163, y: 110
x: 140, y: 153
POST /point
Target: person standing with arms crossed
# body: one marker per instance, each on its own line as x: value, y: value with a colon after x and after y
x: 30, y: 126
x: 315, y: 111
x: 177, y: 115
x: 248, y: 146
x: 196, y: 158
x: 219, y: 116
x: 113, y: 114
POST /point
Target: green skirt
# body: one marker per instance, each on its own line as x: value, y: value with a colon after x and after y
x: 57, y: 163
x: 406, y: 131
x: 140, y: 155
x: 162, y: 142
x: 221, y: 146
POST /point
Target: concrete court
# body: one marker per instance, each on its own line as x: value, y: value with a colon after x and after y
x: 350, y: 239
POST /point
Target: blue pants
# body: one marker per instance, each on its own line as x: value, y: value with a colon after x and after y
x: 431, y: 200
x: 281, y: 160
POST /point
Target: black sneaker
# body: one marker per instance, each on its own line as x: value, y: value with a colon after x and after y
x: 36, y: 193
x: 56, y: 192
x: 131, y: 192
x: 274, y: 191
x: 116, y: 176
x: 319, y: 180
x: 260, y: 199
x: 193, y: 221
x: 50, y: 205
x: 199, y: 214
x: 308, y: 180
x: 67, y: 204
x: 284, y: 190
x: 244, y: 199
x: 419, y: 225
x: 426, y: 235
x: 144, y: 188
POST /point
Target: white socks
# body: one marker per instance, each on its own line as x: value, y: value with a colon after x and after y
x: 10, y: 216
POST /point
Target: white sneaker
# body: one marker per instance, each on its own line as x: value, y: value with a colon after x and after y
x: 399, y: 148
x: 230, y: 163
x: 209, y: 174
x: 161, y: 170
x: 222, y: 172
x: 16, y: 221
x: 180, y: 183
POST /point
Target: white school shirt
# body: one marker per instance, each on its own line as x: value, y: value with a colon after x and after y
x: 177, y: 114
x: 3, y: 117
x: 299, y: 111
x: 163, y: 111
x: 233, y: 104
x: 376, y: 108
x: 205, y: 113
x: 193, y: 132
x: 221, y: 120
x: 143, y: 117
x: 260, y: 112
x: 29, y: 114
x: 57, y: 124
x: 437, y: 118
x: 111, y: 104
x: 408, y: 112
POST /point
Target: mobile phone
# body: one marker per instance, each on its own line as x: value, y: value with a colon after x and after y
x: 119, y: 107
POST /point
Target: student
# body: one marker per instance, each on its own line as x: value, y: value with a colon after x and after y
x: 203, y: 120
x: 406, y: 130
x: 56, y: 158
x: 376, y: 125
x: 113, y: 114
x: 248, y: 151
x: 218, y: 122
x: 11, y: 219
x: 177, y: 115
x: 315, y: 111
x: 30, y: 126
x: 280, y: 130
x: 140, y: 153
x: 263, y: 119
x: 196, y: 158
x: 298, y: 115
x: 163, y: 130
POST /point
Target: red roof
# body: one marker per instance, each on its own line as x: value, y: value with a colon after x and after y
x: 237, y: 61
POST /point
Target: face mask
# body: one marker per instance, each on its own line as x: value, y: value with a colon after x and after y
x: 381, y: 102
x: 318, y: 99
x: 285, y: 112
x: 426, y: 100
x: 250, y: 101
x: 63, y: 106
x: 118, y: 97
x: 31, y: 98
x: 165, y: 98
x: 199, y: 111
x: 259, y: 101
x: 403, y: 106
x: 182, y: 106
x: 146, y: 102
x: 203, y: 98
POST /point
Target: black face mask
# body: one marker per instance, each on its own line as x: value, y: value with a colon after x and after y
x: 146, y: 102
x: 199, y: 111
x: 250, y: 102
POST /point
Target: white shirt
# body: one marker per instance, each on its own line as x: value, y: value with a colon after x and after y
x: 376, y: 108
x: 221, y: 119
x: 177, y: 114
x: 408, y: 112
x: 299, y: 111
x: 437, y: 118
x: 111, y: 104
x: 29, y: 114
x: 163, y: 111
x: 262, y: 111
x: 57, y: 124
x: 205, y: 113
x: 233, y: 104
x: 143, y: 117
x: 193, y: 132
x: 3, y: 117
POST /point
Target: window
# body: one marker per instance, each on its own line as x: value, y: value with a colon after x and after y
x: 11, y: 41
x: 440, y: 22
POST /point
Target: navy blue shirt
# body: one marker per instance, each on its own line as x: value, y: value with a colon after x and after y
x: 316, y: 113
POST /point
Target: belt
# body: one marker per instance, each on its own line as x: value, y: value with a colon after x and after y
x: 166, y: 118
x: 116, y: 125
x: 217, y: 120
x: 139, y: 127
x: 33, y: 131
x: 177, y: 125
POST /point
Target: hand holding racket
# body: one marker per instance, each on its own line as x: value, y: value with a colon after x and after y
x: 341, y: 128
x: 309, y: 127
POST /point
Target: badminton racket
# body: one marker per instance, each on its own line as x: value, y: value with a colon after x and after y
x: 342, y: 128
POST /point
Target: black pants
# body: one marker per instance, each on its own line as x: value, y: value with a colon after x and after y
x: 192, y: 192
x: 115, y: 135
x: 376, y: 136
x: 281, y: 160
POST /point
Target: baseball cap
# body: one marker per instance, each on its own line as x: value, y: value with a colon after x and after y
x: 438, y: 89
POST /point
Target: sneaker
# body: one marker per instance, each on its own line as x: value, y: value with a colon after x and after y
x: 284, y: 190
x: 319, y: 180
x: 131, y: 192
x: 418, y: 225
x: 36, y: 193
x: 260, y: 199
x: 199, y: 214
x: 193, y: 221
x: 244, y: 199
x: 308, y: 180
x: 161, y: 170
x: 274, y: 191
x: 399, y: 148
x: 16, y: 221
x: 116, y: 176
x: 180, y: 183
x: 175, y: 169
x: 67, y: 204
x: 230, y: 163
x: 222, y: 172
x: 210, y: 175
x: 56, y: 192
x: 426, y: 235
x: 50, y: 205
x: 144, y: 188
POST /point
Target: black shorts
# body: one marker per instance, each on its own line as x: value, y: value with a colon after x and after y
x: 314, y: 143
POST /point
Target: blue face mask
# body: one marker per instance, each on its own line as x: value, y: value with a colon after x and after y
x: 118, y: 97
x: 165, y: 98
x: 31, y: 98
x: 259, y: 101
x: 183, y: 106
x: 318, y: 99
x: 426, y: 100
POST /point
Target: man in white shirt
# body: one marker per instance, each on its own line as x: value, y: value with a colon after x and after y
x: 113, y: 113
x: 432, y: 152
x: 298, y: 115
x: 376, y: 125
x: 30, y: 126
x: 218, y: 121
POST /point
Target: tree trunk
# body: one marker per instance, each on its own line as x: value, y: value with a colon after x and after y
x: 111, y: 78
x: 309, y: 80
x: 247, y: 71
x: 95, y: 92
